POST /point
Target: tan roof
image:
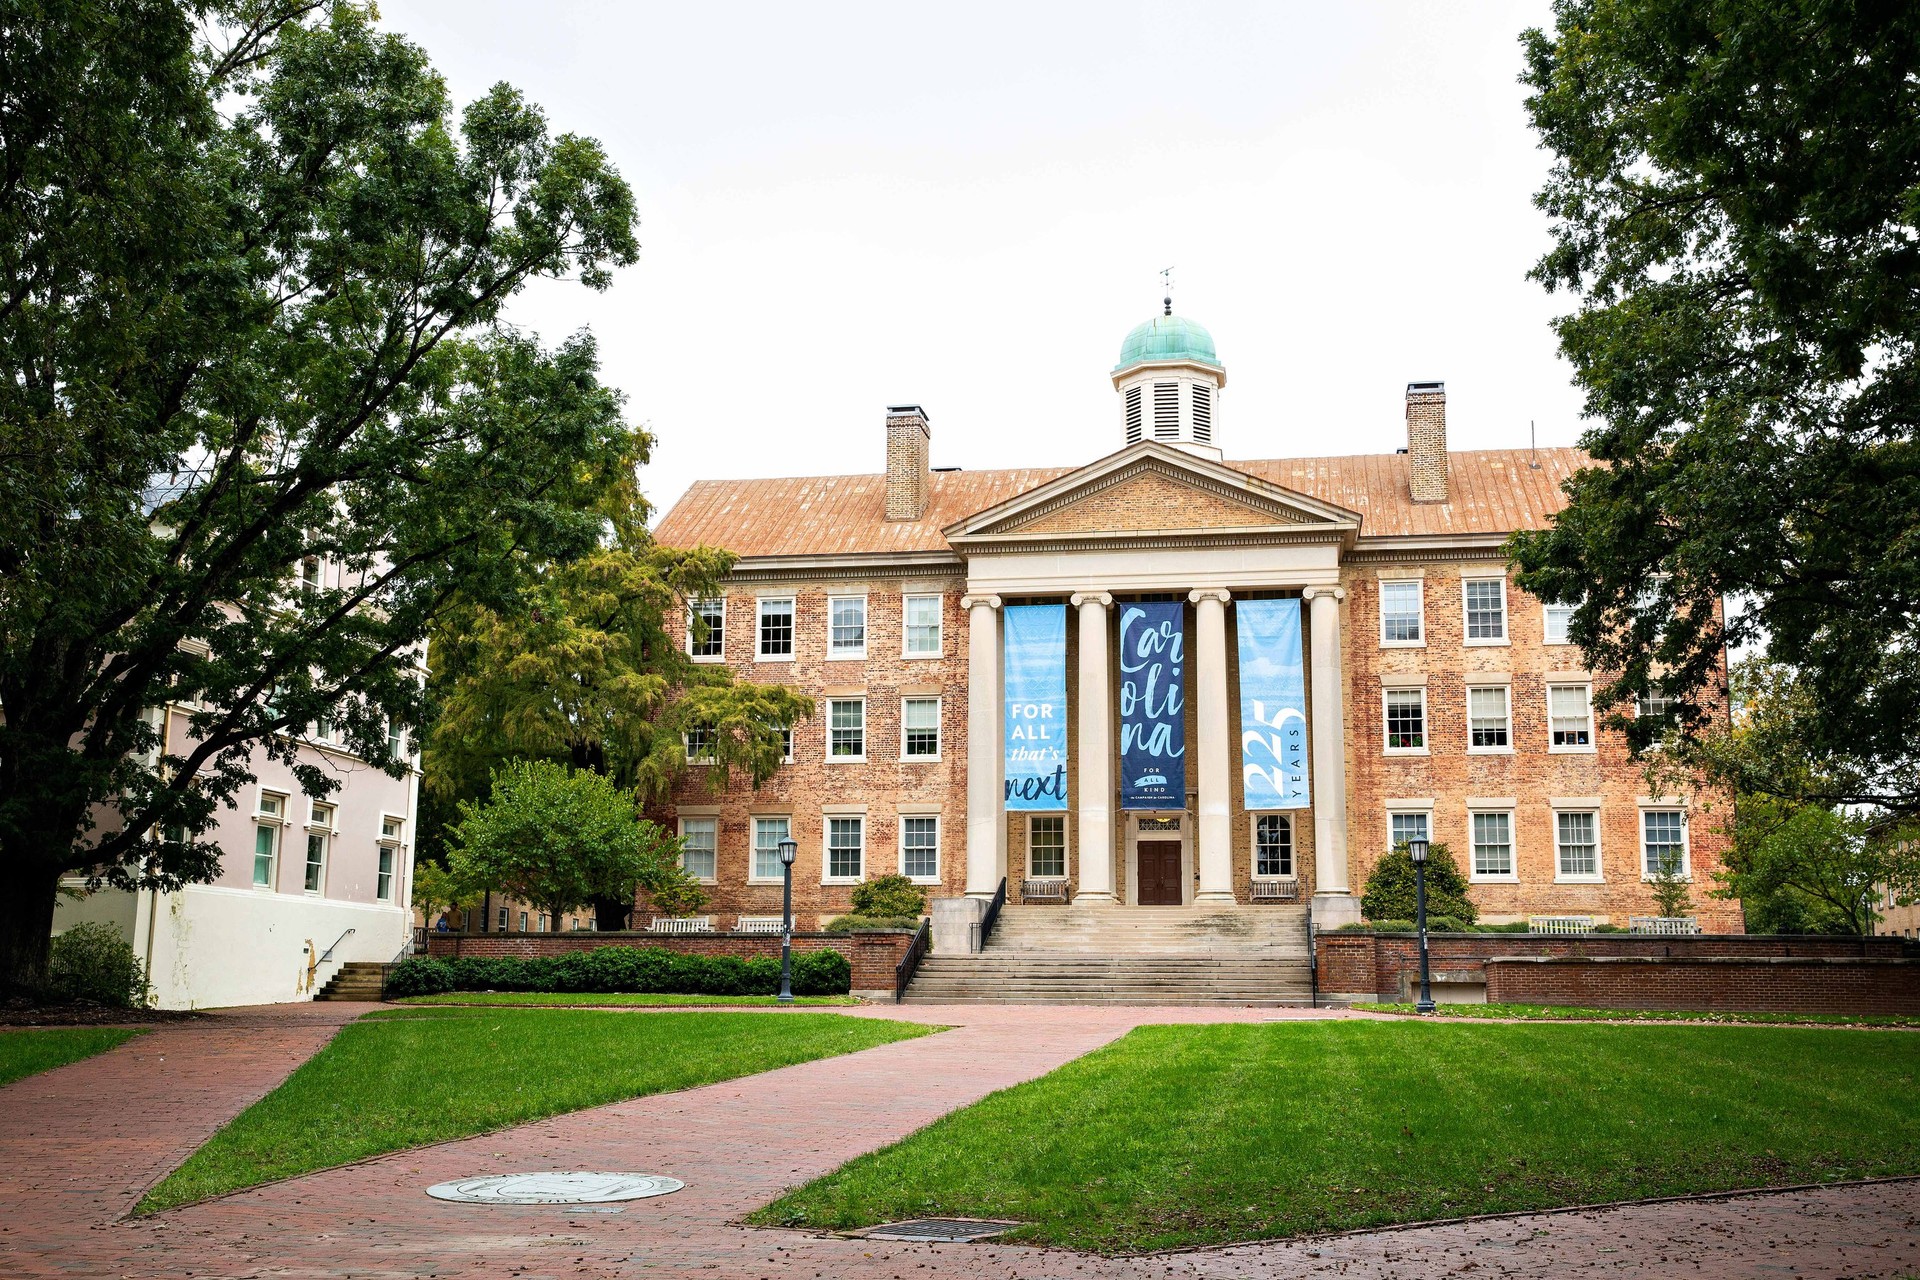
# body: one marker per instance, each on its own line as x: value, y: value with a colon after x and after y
x: 1492, y: 491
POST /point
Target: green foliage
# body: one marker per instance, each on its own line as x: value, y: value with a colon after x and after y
x: 1804, y: 868
x: 436, y: 889
x: 847, y: 924
x: 1671, y: 894
x: 891, y: 895
x: 675, y: 893
x: 1390, y: 890
x: 91, y: 962
x: 636, y: 969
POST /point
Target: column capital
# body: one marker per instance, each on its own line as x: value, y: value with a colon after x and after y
x: 991, y: 602
x: 1102, y: 598
x: 1221, y: 594
x: 1337, y: 593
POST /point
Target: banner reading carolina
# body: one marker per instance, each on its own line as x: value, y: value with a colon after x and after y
x: 1273, y: 704
x: 1153, y: 730
x: 1036, y: 705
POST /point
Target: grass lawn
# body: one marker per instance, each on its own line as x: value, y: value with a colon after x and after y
x: 617, y: 999
x: 1568, y: 1013
x: 25, y: 1053
x: 415, y: 1077
x: 1200, y: 1135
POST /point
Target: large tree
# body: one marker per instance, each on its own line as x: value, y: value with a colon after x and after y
x: 251, y: 277
x: 1735, y: 202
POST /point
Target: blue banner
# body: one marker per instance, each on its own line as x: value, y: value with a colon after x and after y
x: 1036, y: 705
x: 1273, y: 704
x: 1153, y: 698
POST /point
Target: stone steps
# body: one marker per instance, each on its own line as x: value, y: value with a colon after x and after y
x: 355, y: 980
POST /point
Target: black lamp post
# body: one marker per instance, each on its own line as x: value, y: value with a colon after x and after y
x: 1417, y: 850
x: 788, y: 850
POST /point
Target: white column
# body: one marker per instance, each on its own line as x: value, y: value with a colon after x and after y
x: 1333, y: 900
x: 986, y: 819
x: 1215, y: 827
x: 1094, y: 776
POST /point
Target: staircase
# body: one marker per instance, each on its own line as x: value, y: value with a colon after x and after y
x: 1107, y: 954
x: 355, y: 980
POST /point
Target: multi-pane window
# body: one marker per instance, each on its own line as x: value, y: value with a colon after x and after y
x: 1570, y: 715
x: 1487, y: 722
x: 1559, y: 629
x: 920, y: 848
x: 1272, y: 845
x: 920, y: 729
x: 383, y: 878
x: 847, y: 627
x: 699, y: 740
x: 707, y: 628
x: 697, y: 839
x: 1406, y: 719
x: 1663, y: 839
x: 847, y: 729
x: 786, y: 742
x: 523, y: 922
x: 846, y: 848
x: 1486, y: 609
x: 1405, y: 827
x: 1576, y: 838
x: 923, y: 626
x: 266, y: 838
x: 776, y: 627
x: 1657, y: 708
x: 319, y: 831
x: 1400, y: 612
x: 1492, y: 844
x: 503, y: 919
x: 1047, y: 845
x: 767, y: 835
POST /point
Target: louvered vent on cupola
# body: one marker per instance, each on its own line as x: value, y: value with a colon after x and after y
x: 1133, y: 415
x: 1166, y: 411
x: 1202, y: 413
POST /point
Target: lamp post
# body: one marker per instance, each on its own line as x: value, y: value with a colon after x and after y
x: 789, y: 848
x: 1417, y: 850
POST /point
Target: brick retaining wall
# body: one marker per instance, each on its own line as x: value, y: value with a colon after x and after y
x: 1774, y: 984
x: 873, y: 954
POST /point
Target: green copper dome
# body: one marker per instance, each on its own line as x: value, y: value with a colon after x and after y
x: 1167, y: 338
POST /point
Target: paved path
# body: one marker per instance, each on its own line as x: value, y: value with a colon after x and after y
x: 77, y: 1145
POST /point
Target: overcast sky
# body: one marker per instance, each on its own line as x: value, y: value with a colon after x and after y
x: 848, y: 206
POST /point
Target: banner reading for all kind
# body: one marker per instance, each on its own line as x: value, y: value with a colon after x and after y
x: 1153, y: 728
x: 1273, y: 705
x: 1035, y: 650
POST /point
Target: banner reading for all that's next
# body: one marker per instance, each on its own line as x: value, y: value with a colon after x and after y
x: 1273, y: 704
x: 1036, y: 705
x: 1153, y: 730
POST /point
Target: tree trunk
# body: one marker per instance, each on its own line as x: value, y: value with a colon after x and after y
x: 27, y: 897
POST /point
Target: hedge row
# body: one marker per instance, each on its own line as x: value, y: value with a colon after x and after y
x: 643, y: 969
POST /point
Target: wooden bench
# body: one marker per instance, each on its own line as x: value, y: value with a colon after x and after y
x: 1276, y: 889
x: 680, y: 924
x: 1663, y: 924
x: 757, y: 924
x: 1559, y: 924
x: 1044, y: 891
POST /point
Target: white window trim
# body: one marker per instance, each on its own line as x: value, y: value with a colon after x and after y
x: 1426, y: 722
x: 325, y: 830
x: 278, y: 823
x: 1420, y: 590
x: 939, y: 846
x: 397, y: 843
x: 753, y: 822
x: 680, y: 829
x: 686, y: 750
x: 1396, y: 807
x: 940, y: 625
x: 1066, y: 847
x: 1593, y: 730
x: 760, y: 604
x: 826, y: 848
x: 1506, y: 613
x: 1507, y: 691
x: 1253, y: 841
x: 1599, y: 875
x: 1545, y: 638
x: 939, y: 728
x: 1686, y: 838
x: 1513, y: 846
x: 866, y: 732
x: 692, y: 606
x: 866, y: 628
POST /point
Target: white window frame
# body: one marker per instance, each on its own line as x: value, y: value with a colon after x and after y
x: 835, y: 653
x: 786, y: 756
x: 864, y: 734
x: 1293, y: 852
x: 1593, y: 735
x: 713, y: 821
x: 1560, y: 874
x: 523, y: 922
x: 389, y: 844
x: 1066, y: 846
x: 1546, y: 623
x: 1474, y: 875
x: 939, y: 625
x: 686, y: 748
x: 1506, y: 694
x: 938, y: 838
x: 277, y: 822
x: 760, y: 605
x: 1426, y: 722
x: 1420, y: 608
x: 1643, y: 708
x: 753, y: 847
x: 939, y: 733
x: 324, y: 832
x: 694, y: 607
x: 1686, y: 839
x: 826, y: 848
x: 1506, y: 613
x: 1424, y: 811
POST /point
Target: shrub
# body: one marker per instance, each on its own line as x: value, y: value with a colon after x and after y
x: 420, y: 977
x: 822, y: 973
x: 889, y: 896
x: 1389, y: 894
x: 847, y: 924
x: 92, y: 962
x: 637, y: 969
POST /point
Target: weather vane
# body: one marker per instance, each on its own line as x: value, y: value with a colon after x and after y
x: 1166, y: 285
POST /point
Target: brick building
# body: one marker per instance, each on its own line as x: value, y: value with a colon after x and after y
x: 1434, y: 697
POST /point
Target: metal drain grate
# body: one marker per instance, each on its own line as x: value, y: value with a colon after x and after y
x: 940, y: 1230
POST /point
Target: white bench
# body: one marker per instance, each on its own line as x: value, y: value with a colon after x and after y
x: 1276, y: 889
x: 1044, y: 891
x: 1663, y: 924
x: 1560, y: 924
x: 757, y: 924
x: 681, y: 924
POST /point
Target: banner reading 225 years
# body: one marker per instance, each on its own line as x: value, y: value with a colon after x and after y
x: 1036, y: 706
x: 1273, y: 704
x: 1153, y: 697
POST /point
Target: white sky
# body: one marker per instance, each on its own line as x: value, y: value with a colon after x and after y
x: 845, y: 206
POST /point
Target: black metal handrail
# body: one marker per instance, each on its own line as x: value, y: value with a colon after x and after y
x: 910, y: 962
x: 1313, y: 960
x: 983, y: 927
x: 328, y: 953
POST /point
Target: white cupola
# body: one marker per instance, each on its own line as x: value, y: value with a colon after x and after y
x: 1169, y: 380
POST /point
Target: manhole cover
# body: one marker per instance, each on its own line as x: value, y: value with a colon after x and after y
x: 554, y: 1188
x: 940, y: 1230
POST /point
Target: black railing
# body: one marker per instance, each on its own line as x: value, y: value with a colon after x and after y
x: 983, y: 927
x: 1313, y: 960
x: 910, y: 962
x: 328, y: 953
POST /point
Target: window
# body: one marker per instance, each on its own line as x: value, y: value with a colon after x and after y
x: 1655, y: 707
x: 776, y: 628
x: 1570, y: 714
x: 1663, y: 839
x: 697, y: 847
x: 1492, y: 844
x: 920, y: 848
x: 270, y: 812
x: 1486, y: 610
x: 786, y: 743
x: 539, y: 924
x: 396, y: 740
x: 846, y: 848
x: 767, y: 835
x: 1202, y: 412
x: 1406, y: 720
x: 1402, y: 827
x: 319, y: 831
x: 1402, y: 612
x: 847, y: 729
x: 699, y: 743
x: 309, y: 573
x: 383, y: 879
x: 390, y: 828
x: 503, y: 919
x: 707, y: 629
x: 847, y: 627
x: 1487, y: 726
x: 1133, y: 414
x: 1576, y: 838
x: 1559, y: 623
x: 920, y: 729
x: 1047, y: 845
x: 523, y: 922
x: 923, y: 626
x: 1272, y: 845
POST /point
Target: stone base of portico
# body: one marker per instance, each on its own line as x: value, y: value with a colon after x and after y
x: 1331, y: 910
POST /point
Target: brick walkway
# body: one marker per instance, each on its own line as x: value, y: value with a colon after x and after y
x: 79, y: 1144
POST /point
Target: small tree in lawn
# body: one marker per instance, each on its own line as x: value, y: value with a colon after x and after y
x: 558, y: 839
x: 435, y: 887
x: 1670, y: 888
x: 1389, y: 894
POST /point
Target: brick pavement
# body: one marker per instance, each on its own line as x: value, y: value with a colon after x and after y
x: 737, y: 1144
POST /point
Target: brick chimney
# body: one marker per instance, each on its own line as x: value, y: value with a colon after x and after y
x: 1427, y: 440
x: 909, y: 461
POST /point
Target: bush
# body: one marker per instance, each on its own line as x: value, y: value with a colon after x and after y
x: 610, y: 969
x: 1389, y: 894
x: 93, y: 962
x: 822, y: 973
x: 889, y: 896
x: 847, y: 924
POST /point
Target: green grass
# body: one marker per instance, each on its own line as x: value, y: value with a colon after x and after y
x: 1568, y: 1013
x: 613, y: 1000
x: 1201, y: 1135
x: 26, y: 1053
x: 385, y: 1084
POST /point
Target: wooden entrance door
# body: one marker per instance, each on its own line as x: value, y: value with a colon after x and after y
x: 1159, y: 862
